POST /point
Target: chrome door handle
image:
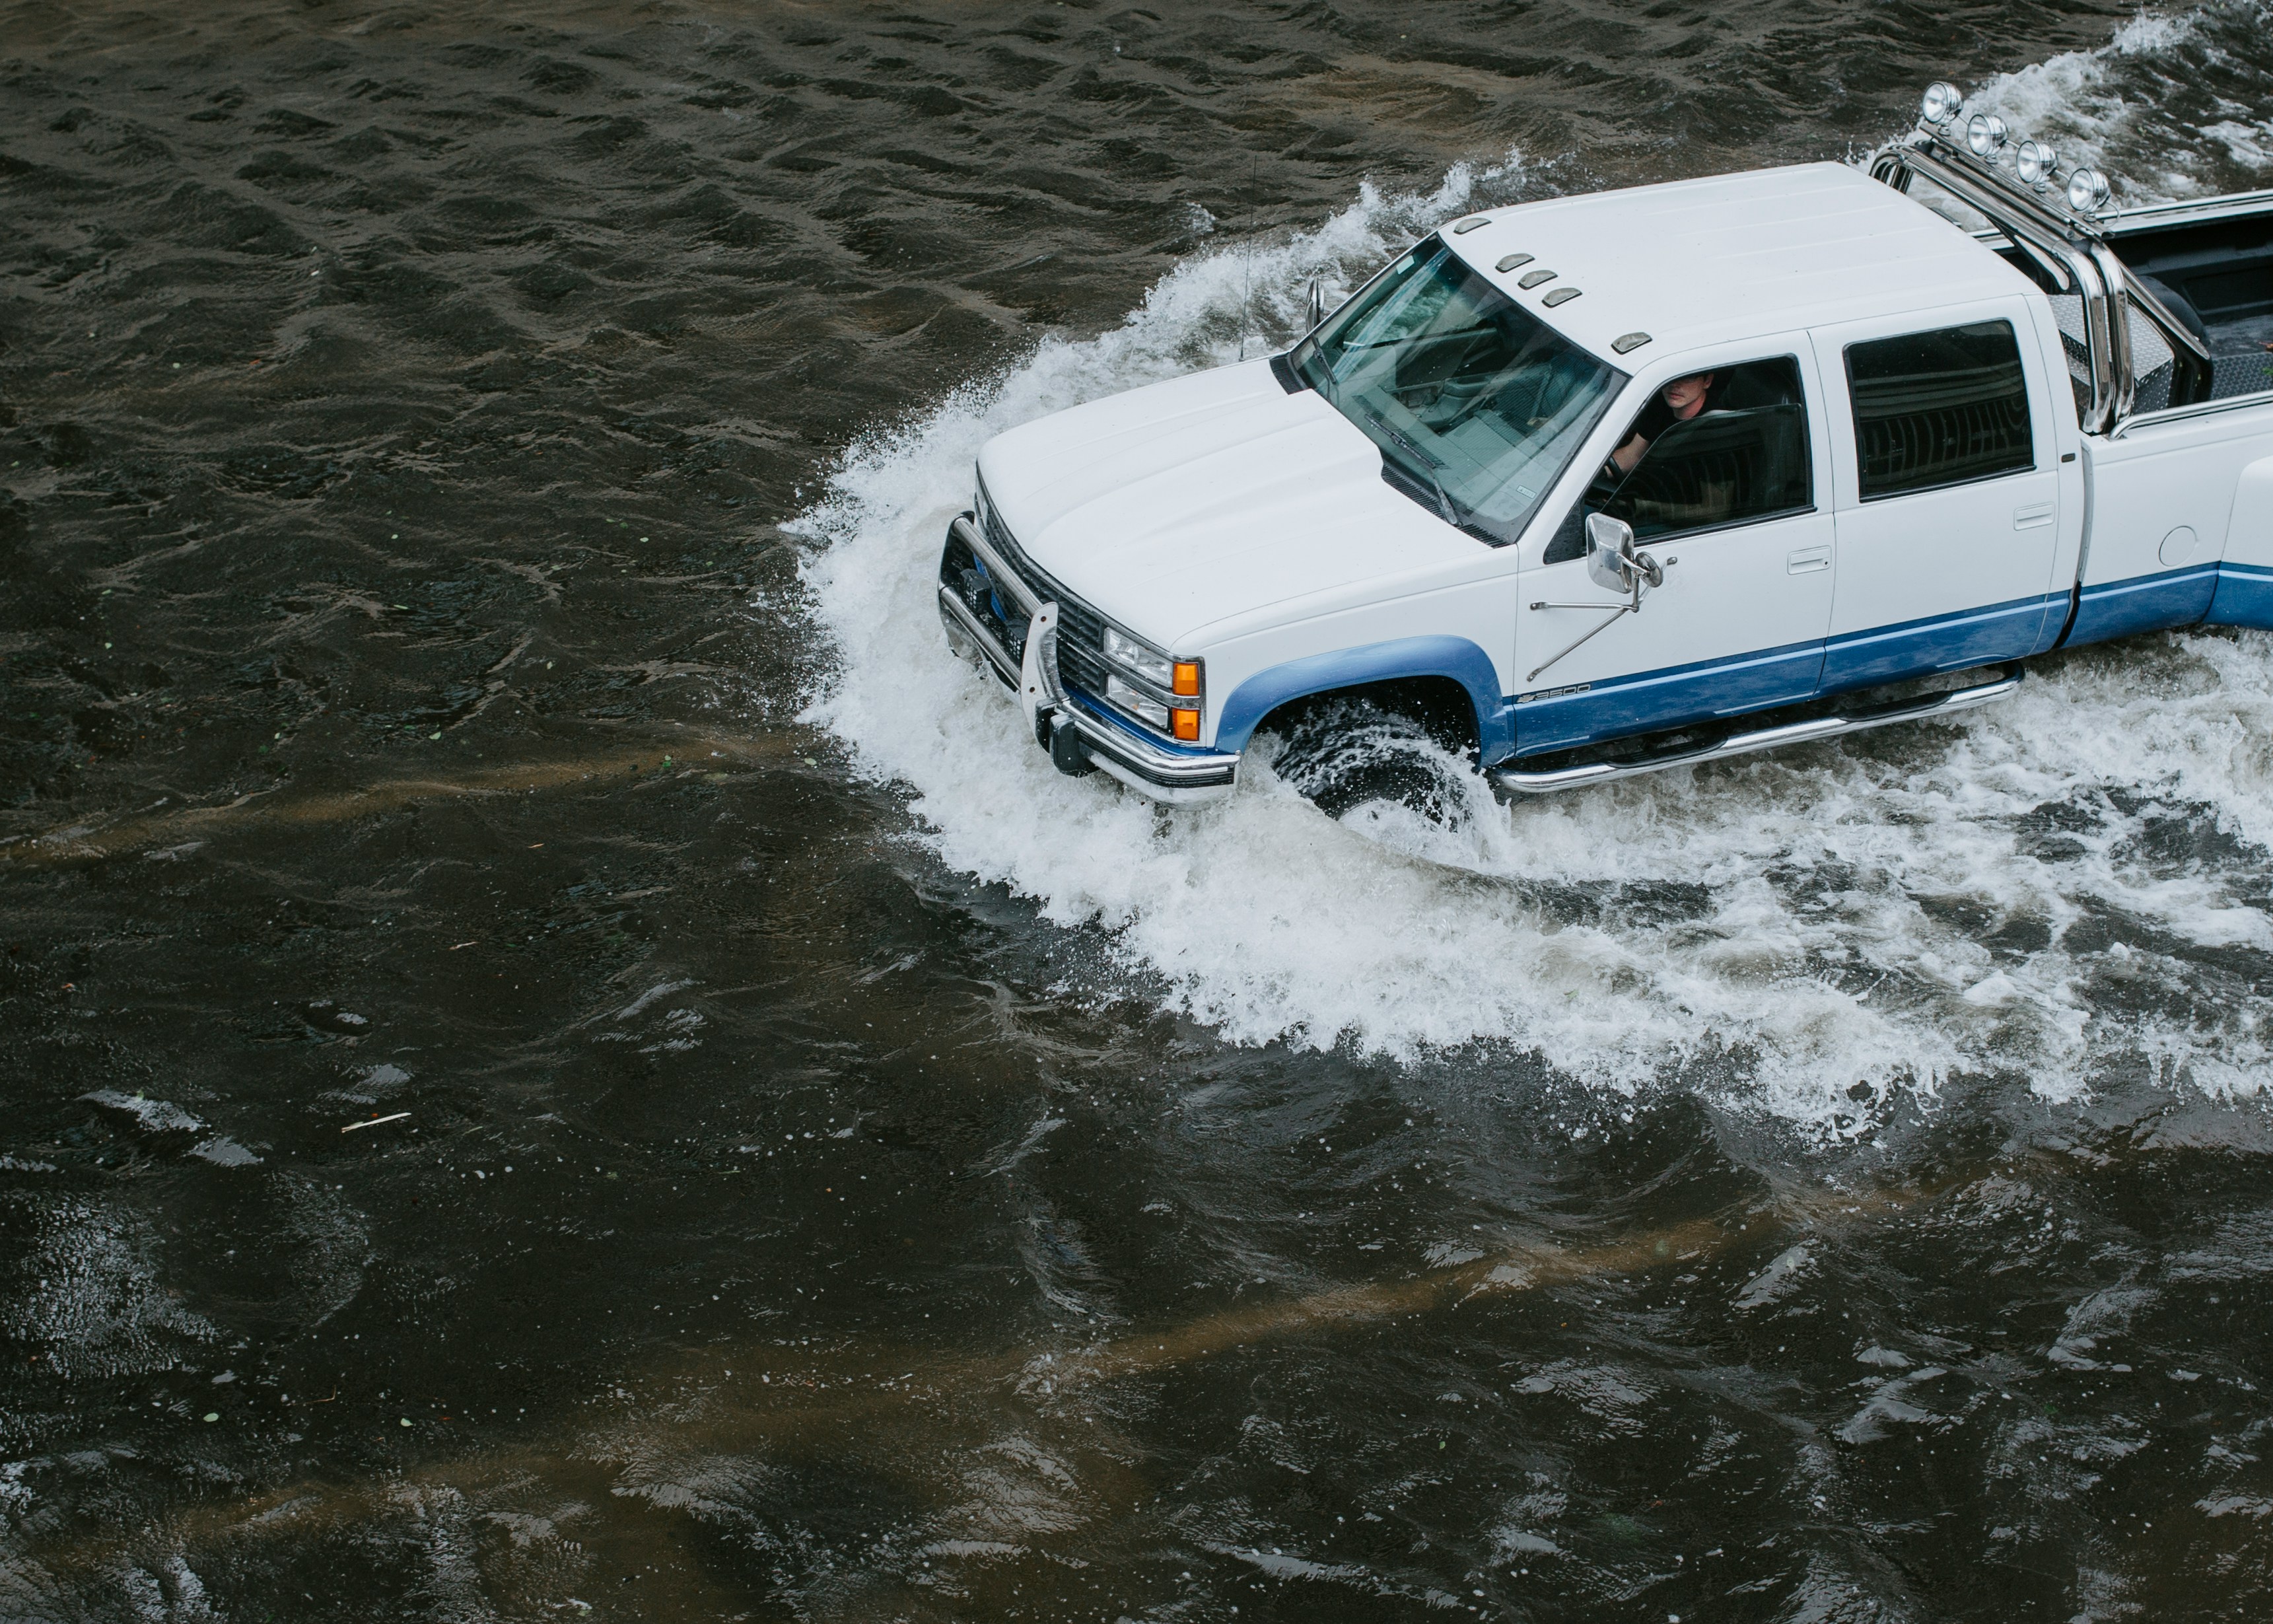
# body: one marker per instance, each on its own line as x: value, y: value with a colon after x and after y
x: 2033, y: 517
x: 1806, y: 561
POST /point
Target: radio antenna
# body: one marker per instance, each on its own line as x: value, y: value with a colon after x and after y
x: 1246, y: 292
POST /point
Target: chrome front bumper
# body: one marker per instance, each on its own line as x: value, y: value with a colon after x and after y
x: 1069, y: 725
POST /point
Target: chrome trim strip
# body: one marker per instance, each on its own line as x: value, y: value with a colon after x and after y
x: 1759, y: 739
x: 2180, y: 214
x: 1168, y: 793
x: 2199, y: 409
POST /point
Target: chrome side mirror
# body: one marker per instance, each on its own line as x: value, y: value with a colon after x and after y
x: 1612, y: 561
x: 1609, y: 551
x: 1318, y: 302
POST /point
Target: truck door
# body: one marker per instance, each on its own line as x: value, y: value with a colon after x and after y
x: 1948, y: 494
x: 1732, y: 501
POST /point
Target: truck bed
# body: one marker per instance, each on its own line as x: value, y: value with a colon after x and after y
x: 2221, y: 269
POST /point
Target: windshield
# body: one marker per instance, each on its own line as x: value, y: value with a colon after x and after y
x: 1476, y: 404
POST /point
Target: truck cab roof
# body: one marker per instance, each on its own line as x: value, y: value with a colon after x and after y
x: 1697, y: 262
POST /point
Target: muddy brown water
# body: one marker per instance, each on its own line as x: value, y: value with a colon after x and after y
x: 423, y: 436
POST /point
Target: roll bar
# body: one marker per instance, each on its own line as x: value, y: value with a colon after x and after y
x: 2069, y: 246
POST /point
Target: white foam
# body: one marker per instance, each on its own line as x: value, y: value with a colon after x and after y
x: 2075, y: 96
x: 2108, y: 106
x: 1827, y: 943
x: 2249, y: 146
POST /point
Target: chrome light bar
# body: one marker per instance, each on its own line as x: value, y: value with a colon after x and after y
x: 2082, y: 192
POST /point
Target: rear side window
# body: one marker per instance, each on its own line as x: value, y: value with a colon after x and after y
x: 1941, y: 408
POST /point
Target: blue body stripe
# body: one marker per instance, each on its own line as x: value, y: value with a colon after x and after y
x: 2219, y: 594
x: 1669, y: 697
x: 2145, y: 602
x: 2244, y: 597
x: 2009, y: 630
x: 1673, y: 695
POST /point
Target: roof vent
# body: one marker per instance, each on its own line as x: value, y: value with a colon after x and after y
x: 1513, y: 260
x: 1470, y: 224
x: 1625, y: 342
x: 1561, y: 296
x: 1532, y: 279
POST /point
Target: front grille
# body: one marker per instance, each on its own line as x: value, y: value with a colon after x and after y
x: 1081, y: 629
x: 1081, y: 644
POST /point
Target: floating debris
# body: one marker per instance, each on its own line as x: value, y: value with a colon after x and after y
x: 375, y: 1121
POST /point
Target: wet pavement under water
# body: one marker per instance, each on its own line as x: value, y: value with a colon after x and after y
x: 467, y: 480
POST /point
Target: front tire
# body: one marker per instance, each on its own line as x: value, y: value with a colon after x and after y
x: 1341, y: 751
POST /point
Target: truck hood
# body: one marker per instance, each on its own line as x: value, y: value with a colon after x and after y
x: 1178, y: 505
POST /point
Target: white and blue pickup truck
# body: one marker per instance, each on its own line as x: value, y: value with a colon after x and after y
x: 1646, y: 477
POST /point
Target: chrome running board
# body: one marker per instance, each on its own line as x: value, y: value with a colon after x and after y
x: 1547, y: 783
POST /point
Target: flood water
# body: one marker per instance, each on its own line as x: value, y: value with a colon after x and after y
x: 469, y: 482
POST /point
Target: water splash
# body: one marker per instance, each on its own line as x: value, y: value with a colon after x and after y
x: 2171, y: 107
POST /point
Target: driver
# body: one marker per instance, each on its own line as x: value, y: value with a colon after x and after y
x: 1678, y: 402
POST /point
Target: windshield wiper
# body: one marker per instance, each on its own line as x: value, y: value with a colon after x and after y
x: 1428, y: 466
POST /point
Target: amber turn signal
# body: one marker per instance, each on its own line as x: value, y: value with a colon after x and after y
x: 1187, y: 684
x: 1187, y: 725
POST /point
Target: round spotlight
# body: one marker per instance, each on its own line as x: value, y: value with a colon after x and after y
x: 2086, y: 191
x: 2035, y: 163
x: 1984, y: 133
x: 1941, y: 104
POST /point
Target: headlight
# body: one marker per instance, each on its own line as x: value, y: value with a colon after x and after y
x: 1138, y: 704
x: 2034, y: 162
x: 1142, y: 658
x: 1169, y: 692
x: 2086, y: 191
x: 1984, y: 133
x: 1941, y: 104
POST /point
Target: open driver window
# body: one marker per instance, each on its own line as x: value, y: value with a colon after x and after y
x: 1742, y: 457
